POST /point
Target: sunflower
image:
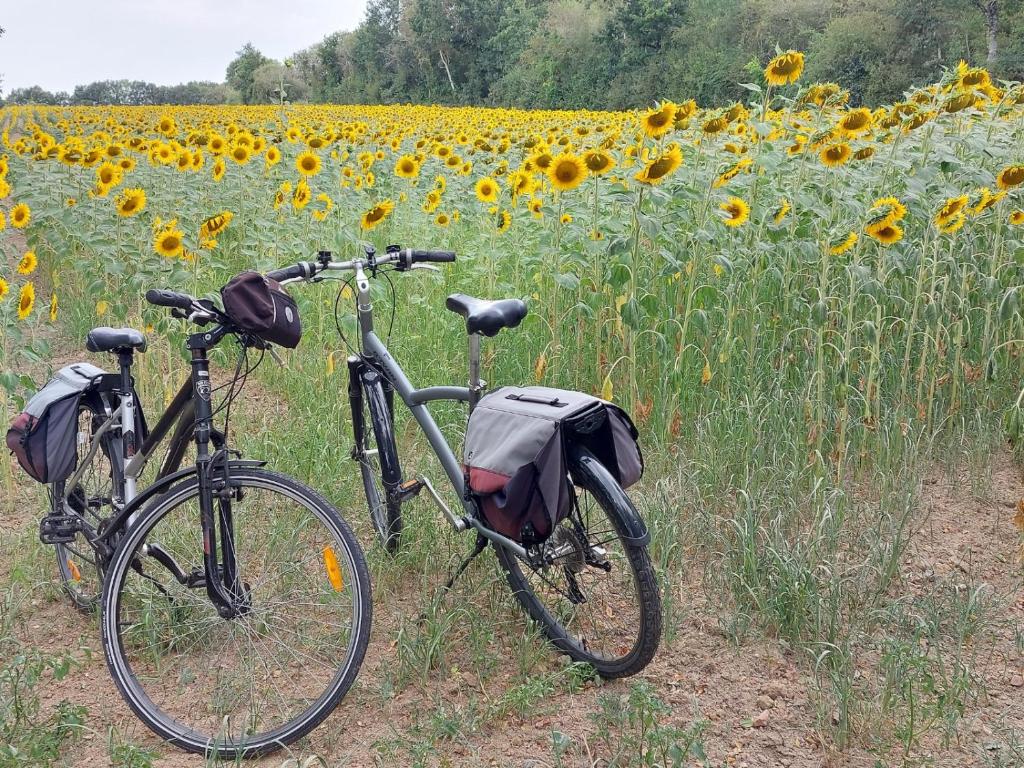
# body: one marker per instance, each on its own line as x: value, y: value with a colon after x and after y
x: 407, y: 167
x: 732, y: 172
x: 108, y: 175
x: 130, y: 202
x: 667, y: 163
x: 843, y: 245
x: 302, y: 195
x: 715, y: 125
x: 168, y: 242
x: 598, y: 162
x: 376, y: 215
x: 521, y: 183
x: 953, y: 224
x: 835, y: 154
x: 1011, y: 176
x: 884, y: 231
x: 219, y: 168
x: 283, y: 192
x: 308, y: 163
x: 272, y: 158
x: 736, y: 211
x: 28, y: 263
x: 657, y: 122
x: 26, y: 300
x: 986, y: 199
x: 3, y: 222
x: 442, y: 219
x: 972, y: 77
x: 856, y: 122
x: 888, y: 209
x: 784, y: 68
x: 949, y: 210
x: 1017, y: 218
x: 21, y: 215
x: 567, y: 171
x: 487, y: 190
x: 4, y: 287
x: 214, y: 225
x: 503, y: 221
x: 960, y: 102
x: 321, y: 213
x: 782, y: 211
x: 864, y: 153
x: 53, y: 308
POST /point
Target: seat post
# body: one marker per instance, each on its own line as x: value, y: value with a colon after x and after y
x: 476, y: 385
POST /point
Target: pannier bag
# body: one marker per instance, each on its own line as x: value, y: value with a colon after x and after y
x: 262, y: 307
x: 44, y: 435
x: 515, y: 454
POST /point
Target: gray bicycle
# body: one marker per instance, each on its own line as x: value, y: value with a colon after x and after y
x: 591, y: 585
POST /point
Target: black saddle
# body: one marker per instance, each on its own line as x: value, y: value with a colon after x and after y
x: 114, y: 339
x: 487, y: 317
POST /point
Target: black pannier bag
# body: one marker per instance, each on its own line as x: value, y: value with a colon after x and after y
x: 43, y: 437
x: 262, y: 307
x: 515, y: 454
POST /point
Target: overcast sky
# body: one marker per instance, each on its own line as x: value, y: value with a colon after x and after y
x: 59, y: 44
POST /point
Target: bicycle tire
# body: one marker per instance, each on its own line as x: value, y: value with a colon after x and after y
x: 593, y: 478
x: 78, y: 565
x: 127, y: 563
x: 377, y: 455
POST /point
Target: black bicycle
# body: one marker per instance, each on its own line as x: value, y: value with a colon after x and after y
x: 235, y: 601
x: 591, y: 585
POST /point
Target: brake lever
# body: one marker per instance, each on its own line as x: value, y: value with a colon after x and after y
x: 430, y: 267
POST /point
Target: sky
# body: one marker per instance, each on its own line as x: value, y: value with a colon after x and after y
x: 59, y: 44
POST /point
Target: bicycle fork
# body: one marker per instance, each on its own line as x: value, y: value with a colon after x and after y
x: 223, y: 586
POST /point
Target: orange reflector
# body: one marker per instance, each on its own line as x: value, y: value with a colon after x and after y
x: 76, y: 575
x: 333, y: 571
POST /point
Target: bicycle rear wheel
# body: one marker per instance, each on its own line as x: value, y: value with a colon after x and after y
x: 241, y: 686
x: 596, y: 598
x: 78, y: 565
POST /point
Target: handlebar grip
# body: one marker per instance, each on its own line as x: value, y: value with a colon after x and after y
x: 436, y: 256
x: 164, y: 298
x: 302, y: 269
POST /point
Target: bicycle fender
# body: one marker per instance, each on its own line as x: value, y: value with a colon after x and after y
x: 164, y: 484
x: 636, y: 531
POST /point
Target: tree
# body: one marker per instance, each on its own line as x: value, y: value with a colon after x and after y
x: 241, y: 71
x: 990, y: 10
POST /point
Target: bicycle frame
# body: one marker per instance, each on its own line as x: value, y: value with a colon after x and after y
x: 191, y: 412
x: 376, y: 355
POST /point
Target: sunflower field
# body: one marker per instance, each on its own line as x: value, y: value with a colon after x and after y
x: 794, y: 297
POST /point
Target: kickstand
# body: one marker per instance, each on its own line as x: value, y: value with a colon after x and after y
x: 480, y: 546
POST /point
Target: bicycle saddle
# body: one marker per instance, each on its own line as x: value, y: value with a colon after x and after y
x: 487, y: 317
x: 109, y: 339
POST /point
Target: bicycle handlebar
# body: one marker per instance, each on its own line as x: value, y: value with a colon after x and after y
x: 161, y: 297
x: 403, y: 258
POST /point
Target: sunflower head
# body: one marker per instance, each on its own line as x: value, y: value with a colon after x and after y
x: 308, y: 163
x: 21, y: 215
x: 736, y: 212
x: 842, y: 246
x: 885, y: 231
x: 567, y: 171
x: 376, y: 215
x: 486, y: 190
x: 835, y: 154
x: 1011, y: 176
x: 169, y: 242
x: 27, y: 263
x: 785, y: 68
x: 407, y: 167
x: 26, y: 300
x: 657, y: 122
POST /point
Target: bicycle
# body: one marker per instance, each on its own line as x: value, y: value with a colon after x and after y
x: 235, y: 604
x: 574, y: 584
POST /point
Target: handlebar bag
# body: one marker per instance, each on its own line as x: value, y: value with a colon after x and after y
x: 262, y: 307
x: 44, y: 436
x: 515, y: 455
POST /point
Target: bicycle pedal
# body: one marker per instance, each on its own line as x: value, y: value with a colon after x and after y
x: 59, y: 529
x: 410, y: 489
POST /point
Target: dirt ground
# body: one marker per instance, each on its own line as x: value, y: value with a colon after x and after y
x: 757, y: 698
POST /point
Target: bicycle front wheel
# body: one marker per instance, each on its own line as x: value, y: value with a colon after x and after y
x: 246, y: 685
x: 595, y: 596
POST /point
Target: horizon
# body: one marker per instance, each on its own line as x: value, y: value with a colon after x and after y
x: 131, y: 53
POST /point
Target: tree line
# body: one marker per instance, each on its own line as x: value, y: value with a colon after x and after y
x: 605, y: 54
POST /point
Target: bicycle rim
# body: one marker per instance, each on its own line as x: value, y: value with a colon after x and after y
x: 249, y: 684
x: 597, y: 600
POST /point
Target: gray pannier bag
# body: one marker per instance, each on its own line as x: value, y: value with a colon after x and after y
x: 516, y: 455
x: 44, y: 435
